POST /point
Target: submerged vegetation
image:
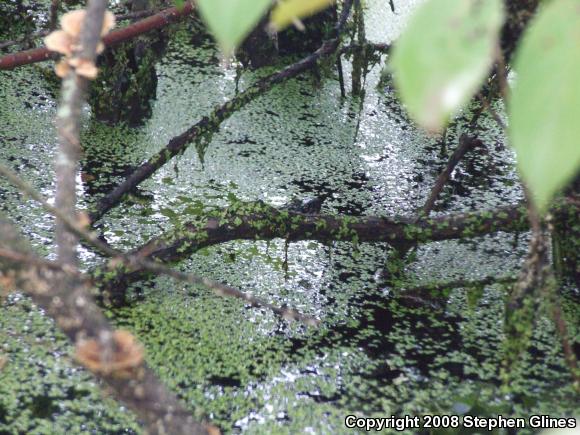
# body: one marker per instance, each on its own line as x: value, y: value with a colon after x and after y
x: 304, y: 190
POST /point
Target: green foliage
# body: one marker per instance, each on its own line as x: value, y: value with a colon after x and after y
x: 444, y: 56
x: 231, y: 20
x: 545, y: 104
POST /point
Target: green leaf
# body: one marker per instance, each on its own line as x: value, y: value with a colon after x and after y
x: 444, y: 55
x: 287, y: 12
x: 544, y: 111
x: 231, y: 20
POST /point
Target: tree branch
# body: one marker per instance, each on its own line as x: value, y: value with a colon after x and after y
x: 42, y: 33
x: 209, y: 124
x: 259, y: 221
x: 466, y: 143
x: 67, y: 121
x: 79, y: 318
x: 157, y: 21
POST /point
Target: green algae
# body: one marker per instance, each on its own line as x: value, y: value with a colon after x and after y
x: 242, y: 367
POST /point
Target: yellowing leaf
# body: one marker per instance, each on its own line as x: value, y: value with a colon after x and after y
x: 231, y: 20
x: 443, y: 56
x: 288, y: 11
x: 544, y: 110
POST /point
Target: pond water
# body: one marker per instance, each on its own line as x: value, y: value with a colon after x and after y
x: 376, y: 353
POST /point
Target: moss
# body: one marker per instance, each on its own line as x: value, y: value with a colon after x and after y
x: 127, y: 82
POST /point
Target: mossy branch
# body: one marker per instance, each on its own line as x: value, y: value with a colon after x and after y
x: 199, y: 132
x: 260, y: 221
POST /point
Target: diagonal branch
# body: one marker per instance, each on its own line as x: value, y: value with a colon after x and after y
x: 466, y: 143
x: 211, y: 123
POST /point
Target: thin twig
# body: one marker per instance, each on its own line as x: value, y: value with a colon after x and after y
x: 340, y: 76
x: 222, y: 290
x: 502, y: 74
x: 466, y: 143
x: 439, y: 286
x: 25, y: 40
x: 53, y: 16
x: 493, y: 113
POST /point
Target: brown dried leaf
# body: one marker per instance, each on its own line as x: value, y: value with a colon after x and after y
x: 62, y: 69
x: 128, y: 354
x: 84, y: 68
x: 71, y: 22
x: 59, y: 41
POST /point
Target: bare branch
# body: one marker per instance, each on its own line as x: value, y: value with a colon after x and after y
x: 157, y: 21
x: 53, y: 15
x: 223, y: 290
x: 466, y: 143
x: 69, y: 151
x: 259, y: 221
